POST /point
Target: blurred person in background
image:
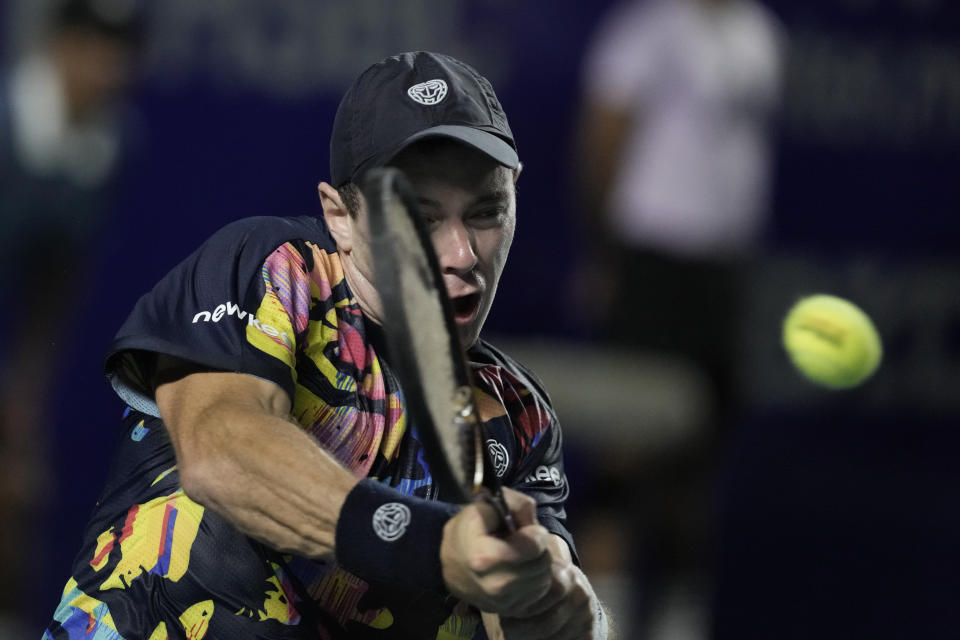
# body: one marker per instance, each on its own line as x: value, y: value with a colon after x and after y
x: 674, y: 145
x: 62, y: 138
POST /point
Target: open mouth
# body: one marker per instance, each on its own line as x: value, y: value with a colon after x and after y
x: 465, y: 307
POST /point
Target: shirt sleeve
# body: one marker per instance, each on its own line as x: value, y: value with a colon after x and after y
x: 624, y: 59
x: 526, y: 446
x: 541, y: 476
x: 236, y: 304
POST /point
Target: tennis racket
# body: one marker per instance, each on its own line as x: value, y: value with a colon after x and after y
x: 423, y: 347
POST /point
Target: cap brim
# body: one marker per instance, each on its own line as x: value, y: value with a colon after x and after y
x: 493, y: 146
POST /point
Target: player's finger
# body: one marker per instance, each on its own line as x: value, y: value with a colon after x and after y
x: 492, y: 521
x: 566, y: 608
x: 554, y: 596
x: 511, y: 590
x: 525, y: 547
x: 521, y: 506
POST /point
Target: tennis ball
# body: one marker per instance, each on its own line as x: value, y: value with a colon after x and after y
x: 831, y: 341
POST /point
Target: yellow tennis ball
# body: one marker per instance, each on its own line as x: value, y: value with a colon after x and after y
x: 831, y: 341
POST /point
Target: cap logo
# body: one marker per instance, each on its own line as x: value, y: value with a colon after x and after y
x: 429, y: 92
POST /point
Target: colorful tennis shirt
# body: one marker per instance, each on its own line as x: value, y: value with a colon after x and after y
x: 267, y: 297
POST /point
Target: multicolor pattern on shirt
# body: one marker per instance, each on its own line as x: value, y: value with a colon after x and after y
x: 155, y: 564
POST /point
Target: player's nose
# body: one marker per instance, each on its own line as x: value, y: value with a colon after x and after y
x: 454, y: 244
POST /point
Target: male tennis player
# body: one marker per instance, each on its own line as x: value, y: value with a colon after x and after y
x: 269, y: 484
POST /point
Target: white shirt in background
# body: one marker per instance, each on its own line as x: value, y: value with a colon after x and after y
x: 701, y: 80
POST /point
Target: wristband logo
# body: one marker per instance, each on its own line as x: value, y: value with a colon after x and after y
x: 498, y: 456
x: 390, y: 521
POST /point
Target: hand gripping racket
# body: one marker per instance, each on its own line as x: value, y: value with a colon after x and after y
x: 423, y: 347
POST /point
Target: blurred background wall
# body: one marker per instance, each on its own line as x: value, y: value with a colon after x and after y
x: 833, y: 514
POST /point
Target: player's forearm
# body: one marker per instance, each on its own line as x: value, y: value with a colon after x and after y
x: 256, y: 469
x: 271, y: 481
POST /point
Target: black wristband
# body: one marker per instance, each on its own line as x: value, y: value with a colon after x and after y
x: 386, y: 536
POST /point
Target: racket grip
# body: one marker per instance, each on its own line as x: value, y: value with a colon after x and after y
x: 496, y: 500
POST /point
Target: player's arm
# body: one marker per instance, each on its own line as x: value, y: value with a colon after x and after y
x: 239, y: 454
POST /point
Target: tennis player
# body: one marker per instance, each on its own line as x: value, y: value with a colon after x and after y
x: 268, y: 483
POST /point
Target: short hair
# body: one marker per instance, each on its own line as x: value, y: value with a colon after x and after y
x: 350, y: 195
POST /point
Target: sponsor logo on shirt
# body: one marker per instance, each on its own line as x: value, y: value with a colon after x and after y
x: 498, y: 456
x: 230, y: 309
x: 544, y: 473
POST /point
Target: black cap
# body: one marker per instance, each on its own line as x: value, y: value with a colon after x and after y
x: 411, y: 96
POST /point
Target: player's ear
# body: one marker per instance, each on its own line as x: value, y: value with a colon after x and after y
x: 516, y: 172
x: 337, y: 216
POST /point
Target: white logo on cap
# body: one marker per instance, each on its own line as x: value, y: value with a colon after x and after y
x: 390, y: 521
x: 499, y: 457
x: 429, y: 92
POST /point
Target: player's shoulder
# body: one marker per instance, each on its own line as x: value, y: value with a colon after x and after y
x: 526, y: 417
x: 268, y: 232
x: 247, y: 242
x: 485, y: 353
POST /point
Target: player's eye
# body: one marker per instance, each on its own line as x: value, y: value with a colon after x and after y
x: 432, y: 222
x: 489, y: 216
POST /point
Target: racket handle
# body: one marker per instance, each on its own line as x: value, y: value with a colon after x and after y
x: 496, y: 500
